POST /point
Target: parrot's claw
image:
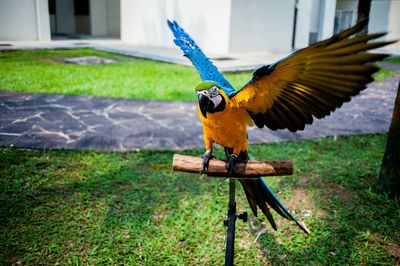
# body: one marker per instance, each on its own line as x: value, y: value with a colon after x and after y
x: 231, y: 163
x: 207, y: 156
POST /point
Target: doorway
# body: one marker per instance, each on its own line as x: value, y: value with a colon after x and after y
x: 80, y: 19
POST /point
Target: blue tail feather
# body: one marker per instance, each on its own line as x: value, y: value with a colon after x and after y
x: 290, y: 216
x: 258, y: 193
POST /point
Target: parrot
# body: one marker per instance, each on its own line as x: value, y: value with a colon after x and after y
x: 308, y: 84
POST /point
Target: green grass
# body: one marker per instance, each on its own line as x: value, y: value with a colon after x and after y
x: 68, y: 207
x: 44, y: 71
x: 394, y: 60
x: 382, y: 74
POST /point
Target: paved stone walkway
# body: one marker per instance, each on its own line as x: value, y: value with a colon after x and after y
x: 81, y: 122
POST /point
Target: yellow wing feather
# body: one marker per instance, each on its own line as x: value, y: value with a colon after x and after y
x: 312, y: 82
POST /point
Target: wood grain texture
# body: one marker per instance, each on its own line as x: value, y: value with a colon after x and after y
x: 246, y: 169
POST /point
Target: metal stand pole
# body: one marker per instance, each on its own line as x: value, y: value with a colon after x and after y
x: 230, y: 223
x: 192, y: 164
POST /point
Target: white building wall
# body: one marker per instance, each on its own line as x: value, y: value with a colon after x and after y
x: 18, y: 20
x: 262, y: 26
x: 379, y: 16
x: 113, y: 17
x: 98, y: 17
x: 303, y: 23
x: 314, y: 16
x: 133, y: 15
x: 105, y: 17
x: 394, y: 24
x: 314, y: 22
x: 24, y: 20
x: 327, y: 19
x: 42, y: 20
x: 144, y: 22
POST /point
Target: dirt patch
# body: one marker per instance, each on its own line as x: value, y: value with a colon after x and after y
x: 299, y: 200
x: 301, y: 204
x: 393, y: 250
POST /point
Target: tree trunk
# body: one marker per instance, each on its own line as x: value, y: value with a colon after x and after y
x: 389, y: 177
x: 363, y: 8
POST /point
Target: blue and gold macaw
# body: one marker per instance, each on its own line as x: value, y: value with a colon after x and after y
x: 288, y: 94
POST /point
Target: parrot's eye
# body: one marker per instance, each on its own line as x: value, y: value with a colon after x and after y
x: 214, y: 91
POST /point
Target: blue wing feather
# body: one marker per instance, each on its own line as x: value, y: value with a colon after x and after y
x: 203, y: 65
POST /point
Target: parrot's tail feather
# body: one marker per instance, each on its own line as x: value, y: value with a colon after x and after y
x: 285, y: 210
x: 255, y: 198
x: 260, y: 195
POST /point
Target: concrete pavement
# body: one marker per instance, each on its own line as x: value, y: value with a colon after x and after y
x: 44, y: 121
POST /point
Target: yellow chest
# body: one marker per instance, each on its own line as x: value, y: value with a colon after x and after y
x: 227, y: 128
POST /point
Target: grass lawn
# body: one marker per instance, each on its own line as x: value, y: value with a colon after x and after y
x: 44, y: 71
x: 71, y: 207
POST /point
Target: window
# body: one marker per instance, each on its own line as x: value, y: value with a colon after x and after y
x: 344, y: 19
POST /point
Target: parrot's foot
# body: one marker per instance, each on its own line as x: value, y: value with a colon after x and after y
x: 207, y: 156
x: 231, y: 163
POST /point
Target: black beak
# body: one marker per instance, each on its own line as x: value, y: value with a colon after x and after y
x: 205, y: 104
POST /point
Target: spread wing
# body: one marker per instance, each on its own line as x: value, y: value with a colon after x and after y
x: 311, y: 82
x: 203, y: 65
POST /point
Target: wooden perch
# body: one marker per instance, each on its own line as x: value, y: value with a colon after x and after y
x: 247, y: 169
